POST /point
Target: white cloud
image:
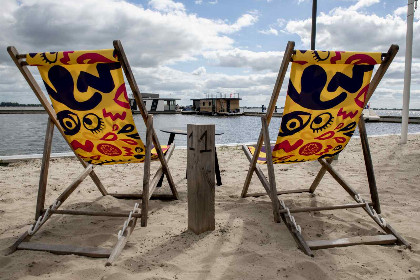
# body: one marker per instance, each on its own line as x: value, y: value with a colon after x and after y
x: 198, y: 2
x: 269, y: 31
x: 347, y: 29
x: 244, y: 58
x: 213, y: 2
x: 199, y: 71
x: 166, y: 6
x: 244, y: 21
x: 363, y: 4
x: 281, y: 22
x: 402, y: 12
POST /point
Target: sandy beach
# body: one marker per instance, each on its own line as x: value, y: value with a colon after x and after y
x: 246, y: 244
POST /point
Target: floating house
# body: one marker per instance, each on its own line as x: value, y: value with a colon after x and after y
x: 155, y: 104
x: 219, y: 104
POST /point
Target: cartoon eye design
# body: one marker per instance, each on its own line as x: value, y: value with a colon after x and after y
x: 322, y: 122
x: 52, y: 54
x: 139, y: 150
x: 317, y: 56
x: 294, y: 122
x: 69, y: 121
x: 93, y: 123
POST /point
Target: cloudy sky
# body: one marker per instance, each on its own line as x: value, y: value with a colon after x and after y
x: 185, y: 49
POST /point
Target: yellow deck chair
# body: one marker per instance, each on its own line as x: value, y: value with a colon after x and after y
x: 326, y: 95
x: 91, y: 110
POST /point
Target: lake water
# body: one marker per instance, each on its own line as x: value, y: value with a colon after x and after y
x: 387, y: 112
x: 24, y: 133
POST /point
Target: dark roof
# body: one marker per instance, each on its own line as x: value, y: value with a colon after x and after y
x: 210, y: 98
x: 160, y: 98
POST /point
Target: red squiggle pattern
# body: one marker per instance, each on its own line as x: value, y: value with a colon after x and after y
x: 326, y: 135
x: 285, y: 145
x: 346, y: 115
x: 66, y: 57
x: 337, y: 56
x: 113, y: 116
x: 363, y: 92
x: 360, y: 58
x: 91, y: 58
x: 122, y: 91
x: 300, y: 62
x: 128, y: 151
x: 88, y: 146
x: 326, y: 150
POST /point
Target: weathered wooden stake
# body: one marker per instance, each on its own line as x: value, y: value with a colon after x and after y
x: 201, y: 178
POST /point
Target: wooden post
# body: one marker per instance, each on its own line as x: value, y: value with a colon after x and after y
x: 201, y: 177
x: 44, y: 169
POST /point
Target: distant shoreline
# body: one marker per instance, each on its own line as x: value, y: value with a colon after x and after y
x: 41, y: 110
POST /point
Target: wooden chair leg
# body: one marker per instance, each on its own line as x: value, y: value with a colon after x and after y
x: 217, y: 169
x: 146, y: 175
x: 270, y: 167
x: 319, y: 177
x: 369, y: 166
x: 252, y: 166
x: 164, y: 164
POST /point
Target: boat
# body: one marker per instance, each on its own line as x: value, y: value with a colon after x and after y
x: 369, y: 115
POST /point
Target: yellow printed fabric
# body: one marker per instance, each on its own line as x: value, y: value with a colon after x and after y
x: 88, y: 94
x: 324, y: 102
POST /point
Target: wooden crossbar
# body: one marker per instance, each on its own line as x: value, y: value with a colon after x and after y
x: 325, y: 208
x: 278, y: 192
x: 158, y: 196
x: 93, y: 252
x: 357, y: 240
x: 93, y: 213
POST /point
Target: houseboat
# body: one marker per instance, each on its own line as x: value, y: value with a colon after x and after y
x: 155, y: 104
x: 218, y: 104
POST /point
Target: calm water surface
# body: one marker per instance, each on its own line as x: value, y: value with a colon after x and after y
x: 25, y: 133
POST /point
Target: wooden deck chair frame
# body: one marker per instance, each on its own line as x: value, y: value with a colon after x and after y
x: 42, y: 214
x: 282, y: 212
